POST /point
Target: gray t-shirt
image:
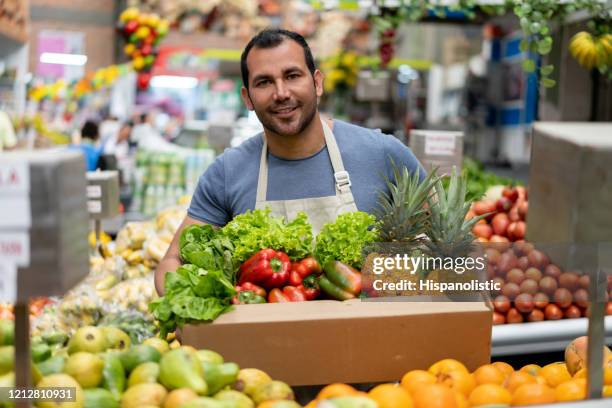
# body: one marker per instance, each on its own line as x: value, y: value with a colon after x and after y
x: 229, y: 185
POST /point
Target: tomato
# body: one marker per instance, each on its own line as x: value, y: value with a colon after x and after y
x: 498, y: 318
x: 553, y: 312
x: 501, y: 304
x: 514, y: 316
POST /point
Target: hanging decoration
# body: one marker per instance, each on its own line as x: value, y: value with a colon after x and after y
x: 591, y: 48
x: 61, y: 90
x: 142, y: 33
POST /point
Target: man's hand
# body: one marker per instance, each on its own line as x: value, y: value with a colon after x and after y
x: 172, y: 260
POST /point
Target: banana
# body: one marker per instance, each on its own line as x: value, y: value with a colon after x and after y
x: 583, y: 49
x: 590, y: 51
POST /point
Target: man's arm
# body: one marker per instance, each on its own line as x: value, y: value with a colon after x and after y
x: 172, y: 260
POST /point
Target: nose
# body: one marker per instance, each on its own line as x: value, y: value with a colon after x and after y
x: 282, y: 91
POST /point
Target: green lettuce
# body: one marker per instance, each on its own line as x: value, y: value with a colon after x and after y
x: 193, y: 294
x: 255, y: 230
x: 344, y: 239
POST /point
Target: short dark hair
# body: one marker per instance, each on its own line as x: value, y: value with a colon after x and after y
x: 90, y: 130
x: 270, y: 38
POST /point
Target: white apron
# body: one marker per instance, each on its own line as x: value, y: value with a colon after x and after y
x: 320, y: 210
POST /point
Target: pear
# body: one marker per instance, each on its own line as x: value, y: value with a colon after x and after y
x: 182, y: 369
x: 88, y: 338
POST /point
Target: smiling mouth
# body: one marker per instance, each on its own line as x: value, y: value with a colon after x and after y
x: 284, y: 111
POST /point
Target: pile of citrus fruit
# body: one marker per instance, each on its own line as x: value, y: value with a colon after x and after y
x: 449, y: 384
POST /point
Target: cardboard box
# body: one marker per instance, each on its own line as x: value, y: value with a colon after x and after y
x: 438, y: 148
x: 570, y: 185
x: 320, y: 342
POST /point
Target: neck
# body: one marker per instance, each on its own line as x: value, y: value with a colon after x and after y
x: 301, y: 145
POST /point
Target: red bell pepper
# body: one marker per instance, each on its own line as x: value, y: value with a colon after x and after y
x: 268, y: 268
x: 259, y: 291
x: 288, y: 294
x: 294, y: 294
x: 302, y: 269
x: 277, y: 296
x: 310, y: 287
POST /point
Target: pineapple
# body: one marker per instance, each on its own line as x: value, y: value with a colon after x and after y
x: 402, y: 215
x: 449, y: 233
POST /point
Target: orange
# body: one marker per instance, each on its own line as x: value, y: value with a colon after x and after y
x: 447, y: 365
x: 532, y: 394
x: 541, y: 380
x: 460, y: 381
x: 415, y: 379
x: 582, y: 373
x: 486, y: 394
x: 311, y: 404
x: 488, y: 374
x: 607, y: 391
x: 461, y: 400
x: 532, y: 369
x: 335, y: 390
x: 434, y: 396
x: 391, y: 396
x: 518, y: 378
x: 504, y: 367
x: 555, y: 374
x: 572, y: 390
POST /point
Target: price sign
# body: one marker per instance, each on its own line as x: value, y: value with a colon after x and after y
x: 15, y: 248
x: 14, y: 195
x: 8, y: 282
x: 440, y: 145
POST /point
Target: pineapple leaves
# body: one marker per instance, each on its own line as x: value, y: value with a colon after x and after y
x: 402, y: 214
x: 448, y: 231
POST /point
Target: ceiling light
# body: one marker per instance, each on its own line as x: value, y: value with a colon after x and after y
x: 63, y: 59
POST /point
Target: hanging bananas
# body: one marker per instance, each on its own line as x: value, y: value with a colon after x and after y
x: 591, y: 51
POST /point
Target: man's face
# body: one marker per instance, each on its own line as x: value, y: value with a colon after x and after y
x: 282, y: 92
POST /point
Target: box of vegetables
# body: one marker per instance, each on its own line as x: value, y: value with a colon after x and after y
x: 249, y: 288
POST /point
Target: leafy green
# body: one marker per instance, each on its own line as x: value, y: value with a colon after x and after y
x: 479, y: 180
x: 344, y: 239
x: 207, y: 248
x: 255, y: 230
x: 192, y: 294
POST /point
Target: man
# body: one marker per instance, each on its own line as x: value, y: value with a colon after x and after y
x: 302, y: 162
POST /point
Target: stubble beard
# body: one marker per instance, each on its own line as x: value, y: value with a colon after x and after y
x: 270, y: 124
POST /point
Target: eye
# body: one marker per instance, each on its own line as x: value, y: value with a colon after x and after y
x: 293, y: 76
x: 263, y: 82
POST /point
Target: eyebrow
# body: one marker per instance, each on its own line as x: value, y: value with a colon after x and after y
x: 286, y: 71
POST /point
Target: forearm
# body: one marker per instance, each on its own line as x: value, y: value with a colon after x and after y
x: 172, y: 260
x: 167, y: 265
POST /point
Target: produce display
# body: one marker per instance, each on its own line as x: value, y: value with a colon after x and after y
x: 504, y: 218
x: 448, y: 383
x: 119, y: 287
x: 532, y: 287
x: 480, y: 183
x: 36, y: 308
x: 108, y: 371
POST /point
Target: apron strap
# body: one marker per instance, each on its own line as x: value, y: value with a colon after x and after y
x: 341, y: 176
x: 262, y: 182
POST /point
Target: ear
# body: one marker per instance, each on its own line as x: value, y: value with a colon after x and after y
x: 318, y: 81
x: 244, y: 93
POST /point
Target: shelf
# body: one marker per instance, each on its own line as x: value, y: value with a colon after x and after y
x: 529, y: 338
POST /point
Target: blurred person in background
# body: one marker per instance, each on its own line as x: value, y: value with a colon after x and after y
x: 90, y: 133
